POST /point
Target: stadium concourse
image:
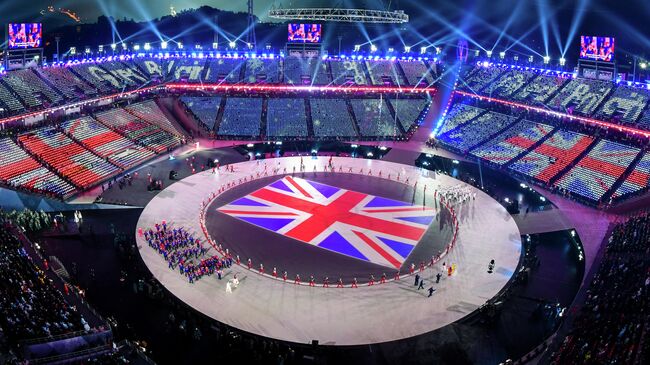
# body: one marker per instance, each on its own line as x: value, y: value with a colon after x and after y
x: 196, y: 165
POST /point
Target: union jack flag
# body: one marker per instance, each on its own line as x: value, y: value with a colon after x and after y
x: 366, y: 227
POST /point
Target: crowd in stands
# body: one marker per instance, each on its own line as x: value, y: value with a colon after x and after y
x: 242, y: 117
x: 347, y: 72
x: 613, y: 323
x: 374, y: 119
x: 30, y: 306
x: 384, y: 72
x: 482, y: 128
x: 204, y: 109
x: 409, y: 111
x: 286, y: 118
x: 223, y: 70
x: 259, y: 70
x: 417, y: 72
x: 581, y: 96
x: 479, y: 77
x: 625, y: 105
x: 305, y: 71
x: 331, y: 118
x: 509, y: 82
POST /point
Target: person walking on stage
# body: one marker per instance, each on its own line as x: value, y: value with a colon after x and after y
x: 417, y: 279
x: 438, y: 276
x: 431, y: 290
x: 421, y: 286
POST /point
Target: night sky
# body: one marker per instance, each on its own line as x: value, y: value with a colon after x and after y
x: 543, y: 25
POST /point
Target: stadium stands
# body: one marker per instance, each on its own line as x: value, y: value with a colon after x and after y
x: 185, y: 69
x: 305, y: 71
x: 553, y: 155
x: 637, y: 181
x: 611, y: 324
x: 374, y: 118
x: 93, y: 74
x: 347, y: 72
x: 67, y: 83
x: 331, y: 118
x: 480, y: 78
x: 32, y: 89
x: 516, y: 140
x: 539, y: 89
x: 262, y: 70
x: 224, y: 70
x: 145, y: 134
x: 10, y: 102
x: 241, y: 118
x: 69, y: 159
x: 106, y: 143
x: 126, y: 75
x: 19, y: 170
x: 30, y: 304
x: 409, y: 111
x: 458, y: 114
x: 204, y: 109
x: 625, y: 105
x: 286, y: 118
x: 149, y: 111
x: 595, y: 174
x: 476, y: 131
x: 581, y: 96
x: 149, y: 67
x: 416, y: 72
x: 509, y: 82
x: 383, y: 72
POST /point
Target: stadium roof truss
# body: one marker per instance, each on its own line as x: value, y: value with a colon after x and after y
x: 341, y: 15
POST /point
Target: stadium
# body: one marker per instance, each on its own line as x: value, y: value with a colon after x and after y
x: 352, y: 182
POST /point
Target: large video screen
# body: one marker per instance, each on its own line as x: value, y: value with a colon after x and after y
x: 597, y: 48
x: 305, y: 33
x: 24, y: 35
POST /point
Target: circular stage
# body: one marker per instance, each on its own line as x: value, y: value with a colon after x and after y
x: 343, y: 222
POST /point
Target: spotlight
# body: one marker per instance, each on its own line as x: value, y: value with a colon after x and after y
x: 136, y: 47
x: 530, y: 59
x: 489, y: 54
x: 180, y: 45
x: 477, y: 53
x: 197, y: 46
x: 249, y: 45
x: 407, y: 49
x: 232, y: 44
x: 547, y: 59
x: 562, y: 61
x: 268, y: 46
x: 87, y: 50
x: 357, y: 47
x: 391, y: 50
x: 643, y: 65
x: 113, y: 46
x: 373, y: 48
x: 147, y: 46
x: 438, y: 50
x: 100, y: 48
x: 502, y: 55
x: 423, y: 50
x: 515, y: 57
x: 163, y: 45
x: 125, y: 46
x: 215, y: 45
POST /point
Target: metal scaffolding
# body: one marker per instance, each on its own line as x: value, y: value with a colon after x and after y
x: 341, y: 15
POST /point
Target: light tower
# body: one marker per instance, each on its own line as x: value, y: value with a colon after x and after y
x: 250, y: 35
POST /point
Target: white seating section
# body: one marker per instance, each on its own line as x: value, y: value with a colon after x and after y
x: 204, y: 108
x: 241, y: 117
x: 348, y: 72
x: 262, y: 70
x: 508, y: 83
x: 374, y: 118
x: 416, y: 72
x: 150, y: 112
x: 331, y: 118
x: 476, y: 131
x: 581, y: 95
x: 286, y: 118
x: 481, y: 77
x: 458, y: 114
x: 409, y: 111
x: 625, y: 105
x: 382, y: 70
x: 539, y: 90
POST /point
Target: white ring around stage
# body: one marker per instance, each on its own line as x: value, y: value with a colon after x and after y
x: 381, y: 313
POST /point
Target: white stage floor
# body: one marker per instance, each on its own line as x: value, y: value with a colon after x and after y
x: 391, y: 311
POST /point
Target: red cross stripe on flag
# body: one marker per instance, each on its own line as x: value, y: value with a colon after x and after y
x: 367, y: 227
